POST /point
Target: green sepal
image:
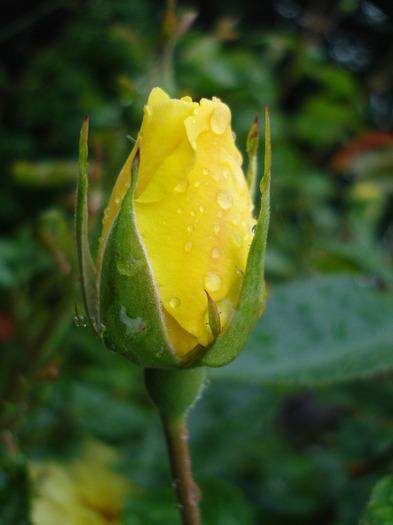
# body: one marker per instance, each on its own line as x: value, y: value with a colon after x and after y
x: 252, y: 298
x: 252, y: 148
x: 214, y: 316
x: 131, y: 317
x: 86, y: 265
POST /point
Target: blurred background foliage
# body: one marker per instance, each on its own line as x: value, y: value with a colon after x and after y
x: 299, y: 429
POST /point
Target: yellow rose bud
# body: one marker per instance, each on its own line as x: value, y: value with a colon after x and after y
x: 193, y: 211
x: 176, y: 237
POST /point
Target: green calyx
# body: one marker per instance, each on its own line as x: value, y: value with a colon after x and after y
x: 131, y: 316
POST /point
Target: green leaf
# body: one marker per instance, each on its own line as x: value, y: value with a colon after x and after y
x: 379, y: 511
x: 321, y: 330
x: 86, y: 264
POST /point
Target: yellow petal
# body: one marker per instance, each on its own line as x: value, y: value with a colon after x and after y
x: 198, y: 236
x: 167, y: 155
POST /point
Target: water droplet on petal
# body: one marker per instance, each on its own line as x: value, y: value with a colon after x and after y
x: 188, y: 247
x: 117, y: 199
x: 174, y: 302
x: 224, y: 200
x: 235, y: 221
x: 219, y: 121
x: 202, y: 208
x: 216, y: 253
x: 190, y: 228
x: 180, y: 210
x: 237, y: 240
x: 205, y: 171
x: 254, y: 228
x: 216, y: 228
x: 193, y: 213
x: 219, y: 213
x: 212, y: 282
x: 182, y: 186
x: 225, y: 173
x: 197, y: 184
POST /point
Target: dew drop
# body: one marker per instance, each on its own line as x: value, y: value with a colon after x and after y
x: 193, y: 213
x: 133, y: 326
x: 129, y: 266
x: 216, y: 228
x: 212, y: 281
x: 254, y: 229
x: 190, y: 228
x: 225, y: 173
x: 197, y: 183
x: 174, y: 302
x: 196, y: 111
x: 180, y: 210
x: 224, y: 200
x: 219, y: 213
x: 77, y: 322
x: 202, y: 208
x: 106, y: 212
x: 182, y: 186
x: 235, y: 221
x: 117, y: 199
x: 237, y: 240
x: 219, y: 121
x: 205, y: 171
x: 216, y: 253
x: 233, y: 135
x: 188, y: 247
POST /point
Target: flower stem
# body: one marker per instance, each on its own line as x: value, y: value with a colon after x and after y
x: 187, y: 491
x: 174, y: 392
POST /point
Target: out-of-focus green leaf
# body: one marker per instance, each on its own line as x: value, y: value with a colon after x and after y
x: 45, y: 174
x: 321, y: 330
x: 379, y: 511
x: 14, y: 489
x: 221, y: 504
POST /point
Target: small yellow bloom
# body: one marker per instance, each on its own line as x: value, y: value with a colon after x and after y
x: 193, y: 211
x: 83, y: 492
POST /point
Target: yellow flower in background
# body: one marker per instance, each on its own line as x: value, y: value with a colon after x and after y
x: 193, y: 211
x: 83, y: 492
